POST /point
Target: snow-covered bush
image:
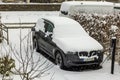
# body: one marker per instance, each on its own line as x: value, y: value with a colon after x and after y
x: 28, y: 65
x: 101, y: 28
x: 6, y: 65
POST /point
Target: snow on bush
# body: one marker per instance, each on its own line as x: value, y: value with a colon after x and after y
x: 29, y: 66
x: 101, y: 27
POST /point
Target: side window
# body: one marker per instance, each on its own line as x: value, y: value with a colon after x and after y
x: 48, y: 28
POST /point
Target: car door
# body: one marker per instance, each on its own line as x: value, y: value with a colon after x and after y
x: 40, y: 34
x: 50, y: 45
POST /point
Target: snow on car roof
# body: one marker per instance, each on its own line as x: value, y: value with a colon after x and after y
x: 57, y: 21
x: 88, y: 3
x: 66, y: 5
x: 61, y: 20
x: 66, y: 27
x: 117, y: 5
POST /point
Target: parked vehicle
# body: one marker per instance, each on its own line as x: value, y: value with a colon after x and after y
x: 117, y: 8
x: 66, y: 42
x: 69, y: 8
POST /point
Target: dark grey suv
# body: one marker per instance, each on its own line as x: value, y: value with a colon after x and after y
x: 66, y: 42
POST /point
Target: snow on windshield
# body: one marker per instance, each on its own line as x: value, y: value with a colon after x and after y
x: 69, y: 30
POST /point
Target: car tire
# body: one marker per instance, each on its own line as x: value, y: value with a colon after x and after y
x: 59, y: 60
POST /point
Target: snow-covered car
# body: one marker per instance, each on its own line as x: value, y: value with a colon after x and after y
x: 66, y: 42
x: 69, y: 8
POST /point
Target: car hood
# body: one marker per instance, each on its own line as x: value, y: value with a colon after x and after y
x: 84, y: 43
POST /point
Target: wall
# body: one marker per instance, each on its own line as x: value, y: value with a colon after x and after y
x: 50, y: 1
x: 30, y: 7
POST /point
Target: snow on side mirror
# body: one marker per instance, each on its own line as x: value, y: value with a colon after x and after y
x: 114, y: 28
x: 48, y: 34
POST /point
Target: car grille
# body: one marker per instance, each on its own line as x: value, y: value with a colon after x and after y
x: 88, y: 54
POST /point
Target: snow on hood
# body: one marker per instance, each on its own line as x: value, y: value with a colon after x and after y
x: 83, y: 43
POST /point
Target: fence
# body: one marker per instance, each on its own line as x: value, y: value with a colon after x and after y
x: 4, y: 28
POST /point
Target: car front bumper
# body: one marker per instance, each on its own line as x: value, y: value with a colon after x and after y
x: 74, y: 60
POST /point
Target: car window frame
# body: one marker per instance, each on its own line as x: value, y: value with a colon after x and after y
x: 49, y: 23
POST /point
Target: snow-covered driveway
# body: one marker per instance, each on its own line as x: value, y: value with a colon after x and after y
x: 25, y: 16
x: 101, y: 74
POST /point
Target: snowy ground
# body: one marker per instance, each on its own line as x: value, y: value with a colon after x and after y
x: 24, y: 16
x: 101, y: 74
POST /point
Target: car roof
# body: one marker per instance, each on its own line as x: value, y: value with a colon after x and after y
x: 57, y: 20
x: 67, y: 4
x: 88, y: 3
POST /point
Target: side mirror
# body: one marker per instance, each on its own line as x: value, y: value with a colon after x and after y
x: 48, y: 34
x: 33, y: 29
x: 64, y: 12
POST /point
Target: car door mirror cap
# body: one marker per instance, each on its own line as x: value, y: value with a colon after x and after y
x: 48, y: 34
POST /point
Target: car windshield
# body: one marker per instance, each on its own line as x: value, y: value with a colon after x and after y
x: 69, y: 30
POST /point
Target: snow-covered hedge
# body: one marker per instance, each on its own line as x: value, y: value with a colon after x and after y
x: 101, y: 27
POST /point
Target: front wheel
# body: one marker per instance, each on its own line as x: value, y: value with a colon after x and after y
x: 59, y: 60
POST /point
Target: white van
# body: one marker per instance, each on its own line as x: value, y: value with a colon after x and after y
x: 117, y: 8
x: 74, y: 7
